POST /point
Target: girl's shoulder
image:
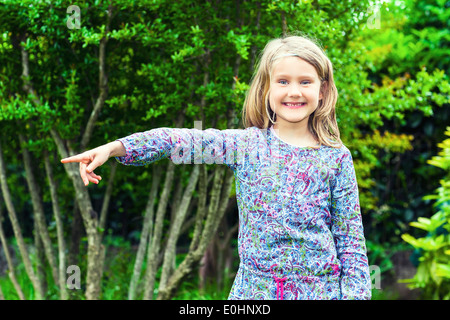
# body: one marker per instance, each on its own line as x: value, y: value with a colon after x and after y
x: 339, y: 149
x: 337, y: 157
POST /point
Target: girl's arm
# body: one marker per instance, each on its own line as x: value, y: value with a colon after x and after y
x: 348, y: 232
x: 189, y: 146
x: 182, y: 145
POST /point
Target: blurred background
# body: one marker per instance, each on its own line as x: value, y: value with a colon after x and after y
x: 77, y: 74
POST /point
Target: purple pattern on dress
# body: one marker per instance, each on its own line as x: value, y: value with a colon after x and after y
x: 300, y: 228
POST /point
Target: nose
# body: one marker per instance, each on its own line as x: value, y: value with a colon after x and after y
x: 295, y: 90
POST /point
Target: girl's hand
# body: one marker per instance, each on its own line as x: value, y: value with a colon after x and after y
x: 89, y: 161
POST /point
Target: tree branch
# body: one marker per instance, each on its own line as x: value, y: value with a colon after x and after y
x: 59, y: 226
x: 102, y: 86
x: 38, y: 209
x: 169, y: 253
x: 107, y: 197
x: 146, y: 232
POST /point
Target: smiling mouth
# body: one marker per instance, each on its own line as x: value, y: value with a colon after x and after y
x: 294, y: 105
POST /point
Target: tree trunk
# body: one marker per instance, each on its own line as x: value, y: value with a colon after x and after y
x: 219, y: 194
x: 11, y: 273
x: 206, y: 266
x: 146, y: 232
x: 170, y: 251
x: 283, y: 23
x: 107, y: 197
x: 201, y: 209
x: 39, y: 258
x: 59, y: 227
x: 155, y: 241
x: 223, y: 249
x: 216, y: 260
x: 199, y: 220
x: 38, y: 210
x: 17, y: 230
x: 76, y: 231
x: 90, y: 220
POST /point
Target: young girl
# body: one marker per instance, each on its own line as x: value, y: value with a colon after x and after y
x: 300, y: 228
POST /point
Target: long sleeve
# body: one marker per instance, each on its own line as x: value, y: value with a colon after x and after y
x: 182, y: 145
x: 347, y: 230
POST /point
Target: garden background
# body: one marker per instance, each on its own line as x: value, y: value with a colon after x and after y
x: 71, y: 80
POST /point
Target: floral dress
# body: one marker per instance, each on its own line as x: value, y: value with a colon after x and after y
x: 300, y: 227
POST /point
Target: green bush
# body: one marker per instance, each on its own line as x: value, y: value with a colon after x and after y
x: 433, y: 272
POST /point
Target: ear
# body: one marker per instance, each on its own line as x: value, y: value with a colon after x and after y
x: 323, y: 89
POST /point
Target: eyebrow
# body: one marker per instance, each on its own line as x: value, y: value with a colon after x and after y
x: 306, y: 75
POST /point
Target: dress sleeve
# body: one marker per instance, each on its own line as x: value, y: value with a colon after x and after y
x: 348, y: 233
x: 182, y: 145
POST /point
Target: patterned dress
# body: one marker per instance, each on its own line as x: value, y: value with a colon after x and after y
x: 300, y: 228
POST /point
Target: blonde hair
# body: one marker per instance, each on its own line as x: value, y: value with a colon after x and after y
x: 322, y: 122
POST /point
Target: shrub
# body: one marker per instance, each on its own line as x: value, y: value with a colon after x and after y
x: 433, y: 272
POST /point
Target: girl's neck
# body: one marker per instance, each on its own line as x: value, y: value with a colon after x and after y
x: 297, y: 135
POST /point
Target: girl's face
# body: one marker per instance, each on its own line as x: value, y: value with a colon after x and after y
x: 294, y: 91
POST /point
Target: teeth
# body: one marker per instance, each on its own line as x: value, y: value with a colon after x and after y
x: 294, y: 104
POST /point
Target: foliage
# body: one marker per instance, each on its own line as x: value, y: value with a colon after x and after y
x: 406, y: 98
x: 433, y: 273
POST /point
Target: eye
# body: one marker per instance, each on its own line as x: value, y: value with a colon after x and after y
x: 306, y: 82
x: 283, y: 82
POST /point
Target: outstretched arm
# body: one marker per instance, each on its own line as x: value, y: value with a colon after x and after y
x: 184, y: 146
x: 92, y: 159
x: 181, y: 145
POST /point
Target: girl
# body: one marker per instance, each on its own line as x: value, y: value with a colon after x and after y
x: 300, y: 228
